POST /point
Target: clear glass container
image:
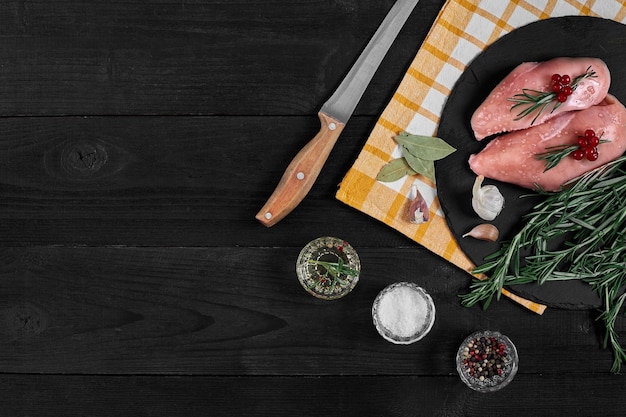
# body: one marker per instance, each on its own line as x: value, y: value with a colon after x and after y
x: 328, y: 268
x: 487, y: 361
x: 403, y: 313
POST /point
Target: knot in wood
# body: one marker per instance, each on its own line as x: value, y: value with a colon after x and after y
x: 21, y: 320
x: 83, y: 158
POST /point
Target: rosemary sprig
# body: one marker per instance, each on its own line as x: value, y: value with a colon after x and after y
x: 554, y: 154
x: 608, y: 316
x: 534, y: 101
x: 335, y: 270
x: 589, y: 214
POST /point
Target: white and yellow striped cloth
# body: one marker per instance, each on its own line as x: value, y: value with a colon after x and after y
x: 462, y: 30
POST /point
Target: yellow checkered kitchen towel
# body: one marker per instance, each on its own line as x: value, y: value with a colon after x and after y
x: 461, y: 31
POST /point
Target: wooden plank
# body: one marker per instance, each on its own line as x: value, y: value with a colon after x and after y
x: 241, y: 311
x: 199, y: 57
x: 181, y: 181
x: 545, y: 395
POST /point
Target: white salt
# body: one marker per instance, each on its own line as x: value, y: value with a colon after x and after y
x: 402, y: 311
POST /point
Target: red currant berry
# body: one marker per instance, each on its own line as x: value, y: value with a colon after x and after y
x: 589, y: 133
x: 583, y: 141
x: 561, y: 97
x: 591, y: 153
x: 578, y: 154
x: 556, y: 78
x: 594, y: 141
x: 557, y: 88
x: 565, y: 79
x: 567, y: 90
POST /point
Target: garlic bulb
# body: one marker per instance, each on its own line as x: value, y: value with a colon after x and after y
x: 418, y: 209
x: 484, y: 231
x: 487, y: 201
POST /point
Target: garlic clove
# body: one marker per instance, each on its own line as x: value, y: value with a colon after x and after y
x: 418, y: 209
x: 484, y: 231
x: 487, y: 201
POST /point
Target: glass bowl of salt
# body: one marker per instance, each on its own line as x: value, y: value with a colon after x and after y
x: 403, y: 313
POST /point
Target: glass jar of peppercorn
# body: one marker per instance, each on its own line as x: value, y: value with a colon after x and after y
x: 487, y: 361
x: 328, y: 268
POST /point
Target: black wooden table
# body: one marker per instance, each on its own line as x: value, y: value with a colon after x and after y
x: 138, y: 139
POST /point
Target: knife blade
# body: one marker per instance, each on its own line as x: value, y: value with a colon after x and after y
x: 304, y: 169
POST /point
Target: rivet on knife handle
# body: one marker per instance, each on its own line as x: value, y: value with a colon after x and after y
x: 301, y: 172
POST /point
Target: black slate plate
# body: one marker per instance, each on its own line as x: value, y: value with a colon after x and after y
x: 539, y: 41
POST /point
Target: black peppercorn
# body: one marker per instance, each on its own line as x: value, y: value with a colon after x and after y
x: 483, y: 357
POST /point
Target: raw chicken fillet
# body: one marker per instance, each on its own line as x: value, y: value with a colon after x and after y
x: 512, y: 157
x: 495, y: 115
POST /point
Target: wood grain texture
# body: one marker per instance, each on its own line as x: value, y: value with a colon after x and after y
x: 200, y: 57
x: 137, y: 141
x: 159, y: 181
x: 302, y: 172
x: 287, y: 396
x: 241, y: 311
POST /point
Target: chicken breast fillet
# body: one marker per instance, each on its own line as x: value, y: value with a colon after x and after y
x: 512, y: 157
x: 495, y: 115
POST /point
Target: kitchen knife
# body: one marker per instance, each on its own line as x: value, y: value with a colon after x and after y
x: 334, y: 114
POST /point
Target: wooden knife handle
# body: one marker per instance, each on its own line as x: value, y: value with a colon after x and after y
x: 301, y: 172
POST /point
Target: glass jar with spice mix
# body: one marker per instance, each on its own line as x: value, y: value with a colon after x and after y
x: 328, y: 268
x: 487, y: 361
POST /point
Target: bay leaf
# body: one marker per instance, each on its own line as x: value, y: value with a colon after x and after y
x: 394, y: 170
x: 425, y: 147
x: 419, y: 165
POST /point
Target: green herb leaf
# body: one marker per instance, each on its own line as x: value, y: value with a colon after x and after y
x: 536, y: 102
x: 589, y: 214
x: 424, y: 147
x: 419, y: 152
x: 394, y: 170
x: 419, y: 165
x: 554, y: 154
